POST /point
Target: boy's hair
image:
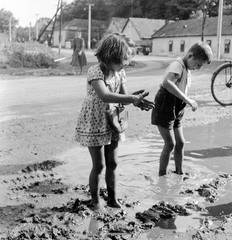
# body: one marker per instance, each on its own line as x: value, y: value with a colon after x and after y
x: 114, y: 48
x: 202, y: 51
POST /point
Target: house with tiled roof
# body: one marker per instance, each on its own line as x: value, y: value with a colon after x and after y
x: 116, y: 25
x: 174, y: 39
x: 140, y: 30
x: 68, y: 30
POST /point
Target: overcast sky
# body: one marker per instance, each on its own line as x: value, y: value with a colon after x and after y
x: 26, y: 11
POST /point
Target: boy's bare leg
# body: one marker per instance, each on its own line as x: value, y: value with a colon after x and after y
x: 169, y: 143
x: 179, y: 149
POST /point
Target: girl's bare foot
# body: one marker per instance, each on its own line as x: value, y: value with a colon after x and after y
x: 113, y: 203
x: 97, y: 207
x: 162, y: 173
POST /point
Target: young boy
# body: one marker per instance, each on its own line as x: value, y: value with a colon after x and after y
x: 171, y: 100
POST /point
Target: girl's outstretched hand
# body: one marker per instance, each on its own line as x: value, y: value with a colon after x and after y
x: 142, y: 91
x: 143, y: 103
x: 146, y: 105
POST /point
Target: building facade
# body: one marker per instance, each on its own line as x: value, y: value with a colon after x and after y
x: 176, y: 38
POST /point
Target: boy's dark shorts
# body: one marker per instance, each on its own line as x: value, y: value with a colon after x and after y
x: 168, y: 111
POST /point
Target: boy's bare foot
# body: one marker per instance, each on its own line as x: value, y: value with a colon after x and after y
x: 113, y: 203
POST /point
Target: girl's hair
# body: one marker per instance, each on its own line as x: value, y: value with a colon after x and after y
x: 114, y: 48
x: 202, y: 51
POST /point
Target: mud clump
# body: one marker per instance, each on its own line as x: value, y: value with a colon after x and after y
x: 209, y: 191
x: 162, y: 210
x: 54, y: 186
x: 47, y: 165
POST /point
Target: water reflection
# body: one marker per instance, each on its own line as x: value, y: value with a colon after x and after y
x: 207, y: 154
x: 220, y: 210
x: 210, y: 152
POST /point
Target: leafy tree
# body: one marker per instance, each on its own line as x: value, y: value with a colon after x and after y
x: 76, y: 9
x: 180, y: 9
x: 156, y: 9
x: 204, y: 9
x: 100, y: 10
x: 5, y: 18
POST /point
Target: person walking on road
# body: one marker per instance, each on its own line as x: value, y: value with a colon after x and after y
x: 78, y: 57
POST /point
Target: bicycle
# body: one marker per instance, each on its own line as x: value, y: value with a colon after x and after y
x: 221, y: 84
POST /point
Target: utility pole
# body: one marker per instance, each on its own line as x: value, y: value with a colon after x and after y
x: 60, y: 25
x: 219, y: 28
x: 132, y: 2
x: 29, y: 31
x: 89, y: 26
x: 10, y: 37
x: 37, y: 27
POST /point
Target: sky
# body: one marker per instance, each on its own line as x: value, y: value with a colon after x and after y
x: 26, y: 11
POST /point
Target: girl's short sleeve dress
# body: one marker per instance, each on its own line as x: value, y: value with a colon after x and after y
x: 93, y: 128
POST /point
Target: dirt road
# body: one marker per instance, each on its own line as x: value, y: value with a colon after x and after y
x: 38, y: 113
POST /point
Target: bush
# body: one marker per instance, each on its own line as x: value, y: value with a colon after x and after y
x: 29, y: 55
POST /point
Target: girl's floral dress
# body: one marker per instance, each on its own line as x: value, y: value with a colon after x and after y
x: 93, y: 128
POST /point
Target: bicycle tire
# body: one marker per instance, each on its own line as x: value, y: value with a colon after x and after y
x: 221, y: 84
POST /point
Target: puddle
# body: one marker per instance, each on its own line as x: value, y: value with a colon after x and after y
x: 208, y: 152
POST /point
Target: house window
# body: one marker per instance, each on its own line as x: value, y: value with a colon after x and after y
x: 182, y: 44
x: 170, y: 44
x: 227, y: 46
x: 209, y: 42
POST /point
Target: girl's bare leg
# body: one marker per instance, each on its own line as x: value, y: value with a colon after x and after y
x: 111, y: 156
x: 74, y: 70
x: 169, y: 143
x: 80, y: 70
x: 179, y: 149
x: 97, y: 156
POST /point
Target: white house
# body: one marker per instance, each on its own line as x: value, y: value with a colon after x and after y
x: 174, y: 39
x: 68, y: 30
x: 116, y: 25
x: 140, y: 30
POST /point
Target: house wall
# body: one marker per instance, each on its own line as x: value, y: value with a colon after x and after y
x: 131, y: 32
x: 67, y: 36
x: 161, y: 46
x: 56, y: 38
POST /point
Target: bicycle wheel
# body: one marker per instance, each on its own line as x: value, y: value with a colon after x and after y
x: 221, y: 84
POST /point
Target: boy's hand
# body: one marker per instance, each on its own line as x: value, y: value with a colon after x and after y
x: 193, y: 104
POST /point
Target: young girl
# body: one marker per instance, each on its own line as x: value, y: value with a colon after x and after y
x: 106, y: 85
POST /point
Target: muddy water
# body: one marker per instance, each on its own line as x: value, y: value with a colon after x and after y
x: 208, y: 152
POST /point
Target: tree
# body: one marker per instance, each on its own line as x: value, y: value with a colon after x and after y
x: 5, y: 18
x: 179, y: 9
x: 155, y: 9
x: 209, y: 8
x: 76, y: 9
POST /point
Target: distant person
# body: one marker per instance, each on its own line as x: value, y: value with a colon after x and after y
x: 93, y: 43
x: 78, y: 57
x: 170, y: 102
x: 106, y: 84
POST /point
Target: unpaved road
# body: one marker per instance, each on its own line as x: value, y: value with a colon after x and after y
x: 38, y: 117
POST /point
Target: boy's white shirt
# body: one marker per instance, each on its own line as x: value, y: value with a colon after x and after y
x: 178, y: 67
